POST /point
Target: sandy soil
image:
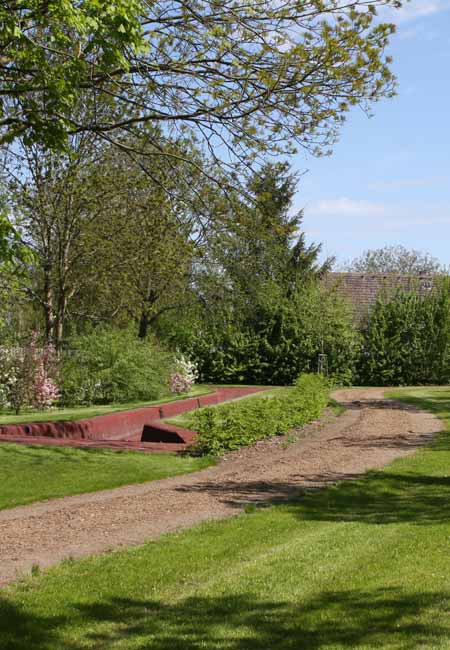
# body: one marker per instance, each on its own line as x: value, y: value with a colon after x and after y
x: 370, y: 434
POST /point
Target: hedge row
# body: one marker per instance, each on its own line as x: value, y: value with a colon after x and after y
x: 237, y: 424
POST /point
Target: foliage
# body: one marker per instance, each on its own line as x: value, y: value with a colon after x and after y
x: 304, y: 66
x: 230, y: 426
x: 183, y: 375
x: 259, y: 296
x: 407, y: 339
x: 11, y: 247
x: 79, y: 208
x: 109, y: 365
x: 259, y: 244
x: 14, y: 379
x: 27, y: 376
x: 58, y: 49
x: 15, y: 259
x: 147, y: 213
x: 395, y: 259
x: 278, y: 340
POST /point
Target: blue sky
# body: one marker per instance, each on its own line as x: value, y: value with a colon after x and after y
x: 388, y: 180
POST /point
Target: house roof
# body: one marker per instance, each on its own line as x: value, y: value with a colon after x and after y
x: 362, y: 289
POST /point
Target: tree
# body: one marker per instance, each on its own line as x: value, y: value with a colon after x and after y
x: 51, y: 197
x: 14, y: 256
x: 143, y: 242
x: 261, y: 316
x: 267, y: 78
x: 395, y: 259
x: 259, y: 250
x: 110, y: 241
x: 284, y: 339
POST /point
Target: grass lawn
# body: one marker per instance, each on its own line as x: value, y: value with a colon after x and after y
x: 362, y: 565
x: 37, y: 473
x: 82, y: 412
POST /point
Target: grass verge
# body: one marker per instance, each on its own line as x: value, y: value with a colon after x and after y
x: 30, y: 473
x: 361, y: 565
x: 80, y: 413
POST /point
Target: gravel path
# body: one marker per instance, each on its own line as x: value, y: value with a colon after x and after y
x: 370, y: 434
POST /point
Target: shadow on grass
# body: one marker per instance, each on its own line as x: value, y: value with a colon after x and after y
x: 434, y: 404
x: 378, y: 498
x: 387, y: 618
x: 381, y: 499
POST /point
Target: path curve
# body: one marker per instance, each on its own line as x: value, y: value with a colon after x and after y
x: 371, y: 433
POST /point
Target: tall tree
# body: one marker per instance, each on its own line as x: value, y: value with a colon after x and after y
x: 52, y: 199
x: 258, y: 294
x: 143, y: 242
x: 269, y: 77
x: 14, y: 257
x: 262, y: 244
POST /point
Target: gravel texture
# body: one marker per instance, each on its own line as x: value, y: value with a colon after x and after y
x: 371, y: 433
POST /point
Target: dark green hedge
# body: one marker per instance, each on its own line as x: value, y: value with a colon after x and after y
x: 407, y: 339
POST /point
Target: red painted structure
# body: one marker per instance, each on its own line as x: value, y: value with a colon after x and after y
x: 135, y: 429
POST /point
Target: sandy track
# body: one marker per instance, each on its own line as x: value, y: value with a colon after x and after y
x: 370, y: 434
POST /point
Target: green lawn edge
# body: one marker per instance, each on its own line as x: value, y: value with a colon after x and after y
x: 32, y: 473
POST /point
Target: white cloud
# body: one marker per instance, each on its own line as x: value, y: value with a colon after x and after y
x: 414, y: 10
x: 346, y: 225
x: 398, y: 216
x: 346, y: 207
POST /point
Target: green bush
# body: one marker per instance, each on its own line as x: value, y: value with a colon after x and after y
x: 407, y: 339
x: 282, y: 339
x: 230, y: 426
x: 110, y: 365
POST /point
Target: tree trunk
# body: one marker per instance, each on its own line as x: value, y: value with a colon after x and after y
x: 49, y: 312
x: 143, y: 324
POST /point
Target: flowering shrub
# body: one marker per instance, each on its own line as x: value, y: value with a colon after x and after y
x: 44, y: 391
x: 26, y: 376
x: 14, y: 390
x: 183, y: 377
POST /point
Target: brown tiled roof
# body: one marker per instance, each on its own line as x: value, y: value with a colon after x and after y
x: 362, y: 289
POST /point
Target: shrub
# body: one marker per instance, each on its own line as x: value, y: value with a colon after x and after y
x: 230, y: 426
x: 28, y: 376
x: 109, y: 365
x: 407, y: 339
x: 281, y: 340
x: 183, y: 375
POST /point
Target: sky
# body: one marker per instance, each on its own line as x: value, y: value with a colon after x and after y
x: 388, y: 179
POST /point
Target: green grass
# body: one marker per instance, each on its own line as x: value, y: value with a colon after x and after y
x: 335, y: 407
x: 359, y: 566
x: 30, y: 473
x: 82, y: 412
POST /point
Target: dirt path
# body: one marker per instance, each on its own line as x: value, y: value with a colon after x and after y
x: 371, y: 433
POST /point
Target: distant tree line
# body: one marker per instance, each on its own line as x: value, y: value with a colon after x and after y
x: 225, y: 277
